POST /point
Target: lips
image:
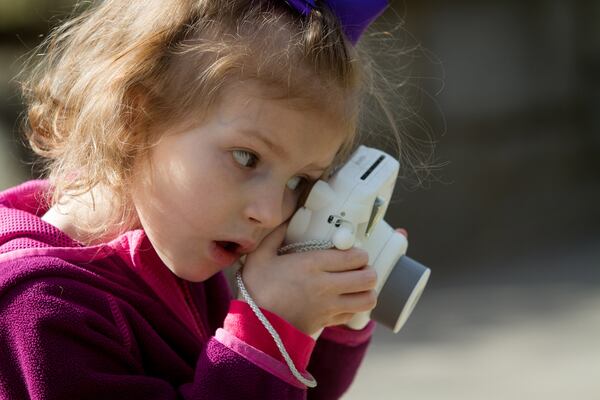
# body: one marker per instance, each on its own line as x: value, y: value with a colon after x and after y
x: 226, y: 252
x: 231, y: 247
x: 237, y: 246
x: 223, y: 254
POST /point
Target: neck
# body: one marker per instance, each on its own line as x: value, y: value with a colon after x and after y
x: 80, y: 216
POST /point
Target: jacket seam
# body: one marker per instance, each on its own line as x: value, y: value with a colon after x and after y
x: 120, y: 321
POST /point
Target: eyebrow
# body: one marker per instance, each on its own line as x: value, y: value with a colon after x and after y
x: 275, y: 148
x: 265, y: 139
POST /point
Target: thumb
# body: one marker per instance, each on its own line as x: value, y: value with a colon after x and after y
x: 272, y: 242
x: 403, y: 232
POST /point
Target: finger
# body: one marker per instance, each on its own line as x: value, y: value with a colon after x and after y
x: 355, y: 281
x: 340, y: 319
x: 334, y: 260
x: 403, y: 232
x: 272, y: 241
x: 358, y: 302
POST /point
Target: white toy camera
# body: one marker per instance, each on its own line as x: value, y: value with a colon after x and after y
x: 348, y: 210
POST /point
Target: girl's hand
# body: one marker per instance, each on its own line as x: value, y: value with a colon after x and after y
x: 311, y: 290
x: 403, y: 232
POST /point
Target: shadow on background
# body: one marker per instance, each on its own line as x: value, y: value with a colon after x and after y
x: 510, y: 230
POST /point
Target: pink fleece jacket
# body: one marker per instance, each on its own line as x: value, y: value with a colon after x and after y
x: 111, y: 321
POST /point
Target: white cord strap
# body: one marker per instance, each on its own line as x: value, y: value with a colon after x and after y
x: 306, y: 246
x: 296, y: 247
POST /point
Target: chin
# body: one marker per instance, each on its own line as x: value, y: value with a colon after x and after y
x: 195, y: 273
x: 192, y: 274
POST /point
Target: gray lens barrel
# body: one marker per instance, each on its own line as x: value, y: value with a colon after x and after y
x: 400, y: 293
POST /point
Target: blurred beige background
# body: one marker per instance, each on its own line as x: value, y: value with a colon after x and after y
x: 510, y: 226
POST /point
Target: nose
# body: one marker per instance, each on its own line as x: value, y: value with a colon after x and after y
x: 267, y: 207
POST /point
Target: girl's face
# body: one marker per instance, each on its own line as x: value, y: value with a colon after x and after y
x: 213, y: 192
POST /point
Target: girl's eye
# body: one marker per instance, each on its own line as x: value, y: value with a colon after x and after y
x: 249, y: 160
x: 296, y: 182
x: 245, y: 158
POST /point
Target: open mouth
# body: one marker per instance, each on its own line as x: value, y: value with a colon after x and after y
x: 230, y: 247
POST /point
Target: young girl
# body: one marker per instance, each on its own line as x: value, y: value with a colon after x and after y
x: 180, y: 135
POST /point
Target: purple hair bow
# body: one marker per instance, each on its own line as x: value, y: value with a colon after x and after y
x: 354, y: 15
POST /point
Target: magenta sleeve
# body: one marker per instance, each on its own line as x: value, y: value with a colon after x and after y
x: 337, y: 356
x: 350, y: 337
x: 243, y: 324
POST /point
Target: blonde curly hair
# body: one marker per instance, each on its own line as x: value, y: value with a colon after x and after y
x: 104, y: 84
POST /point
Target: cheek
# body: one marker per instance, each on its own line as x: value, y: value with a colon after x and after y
x: 290, y: 203
x: 173, y: 191
x: 189, y: 175
x: 213, y: 191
